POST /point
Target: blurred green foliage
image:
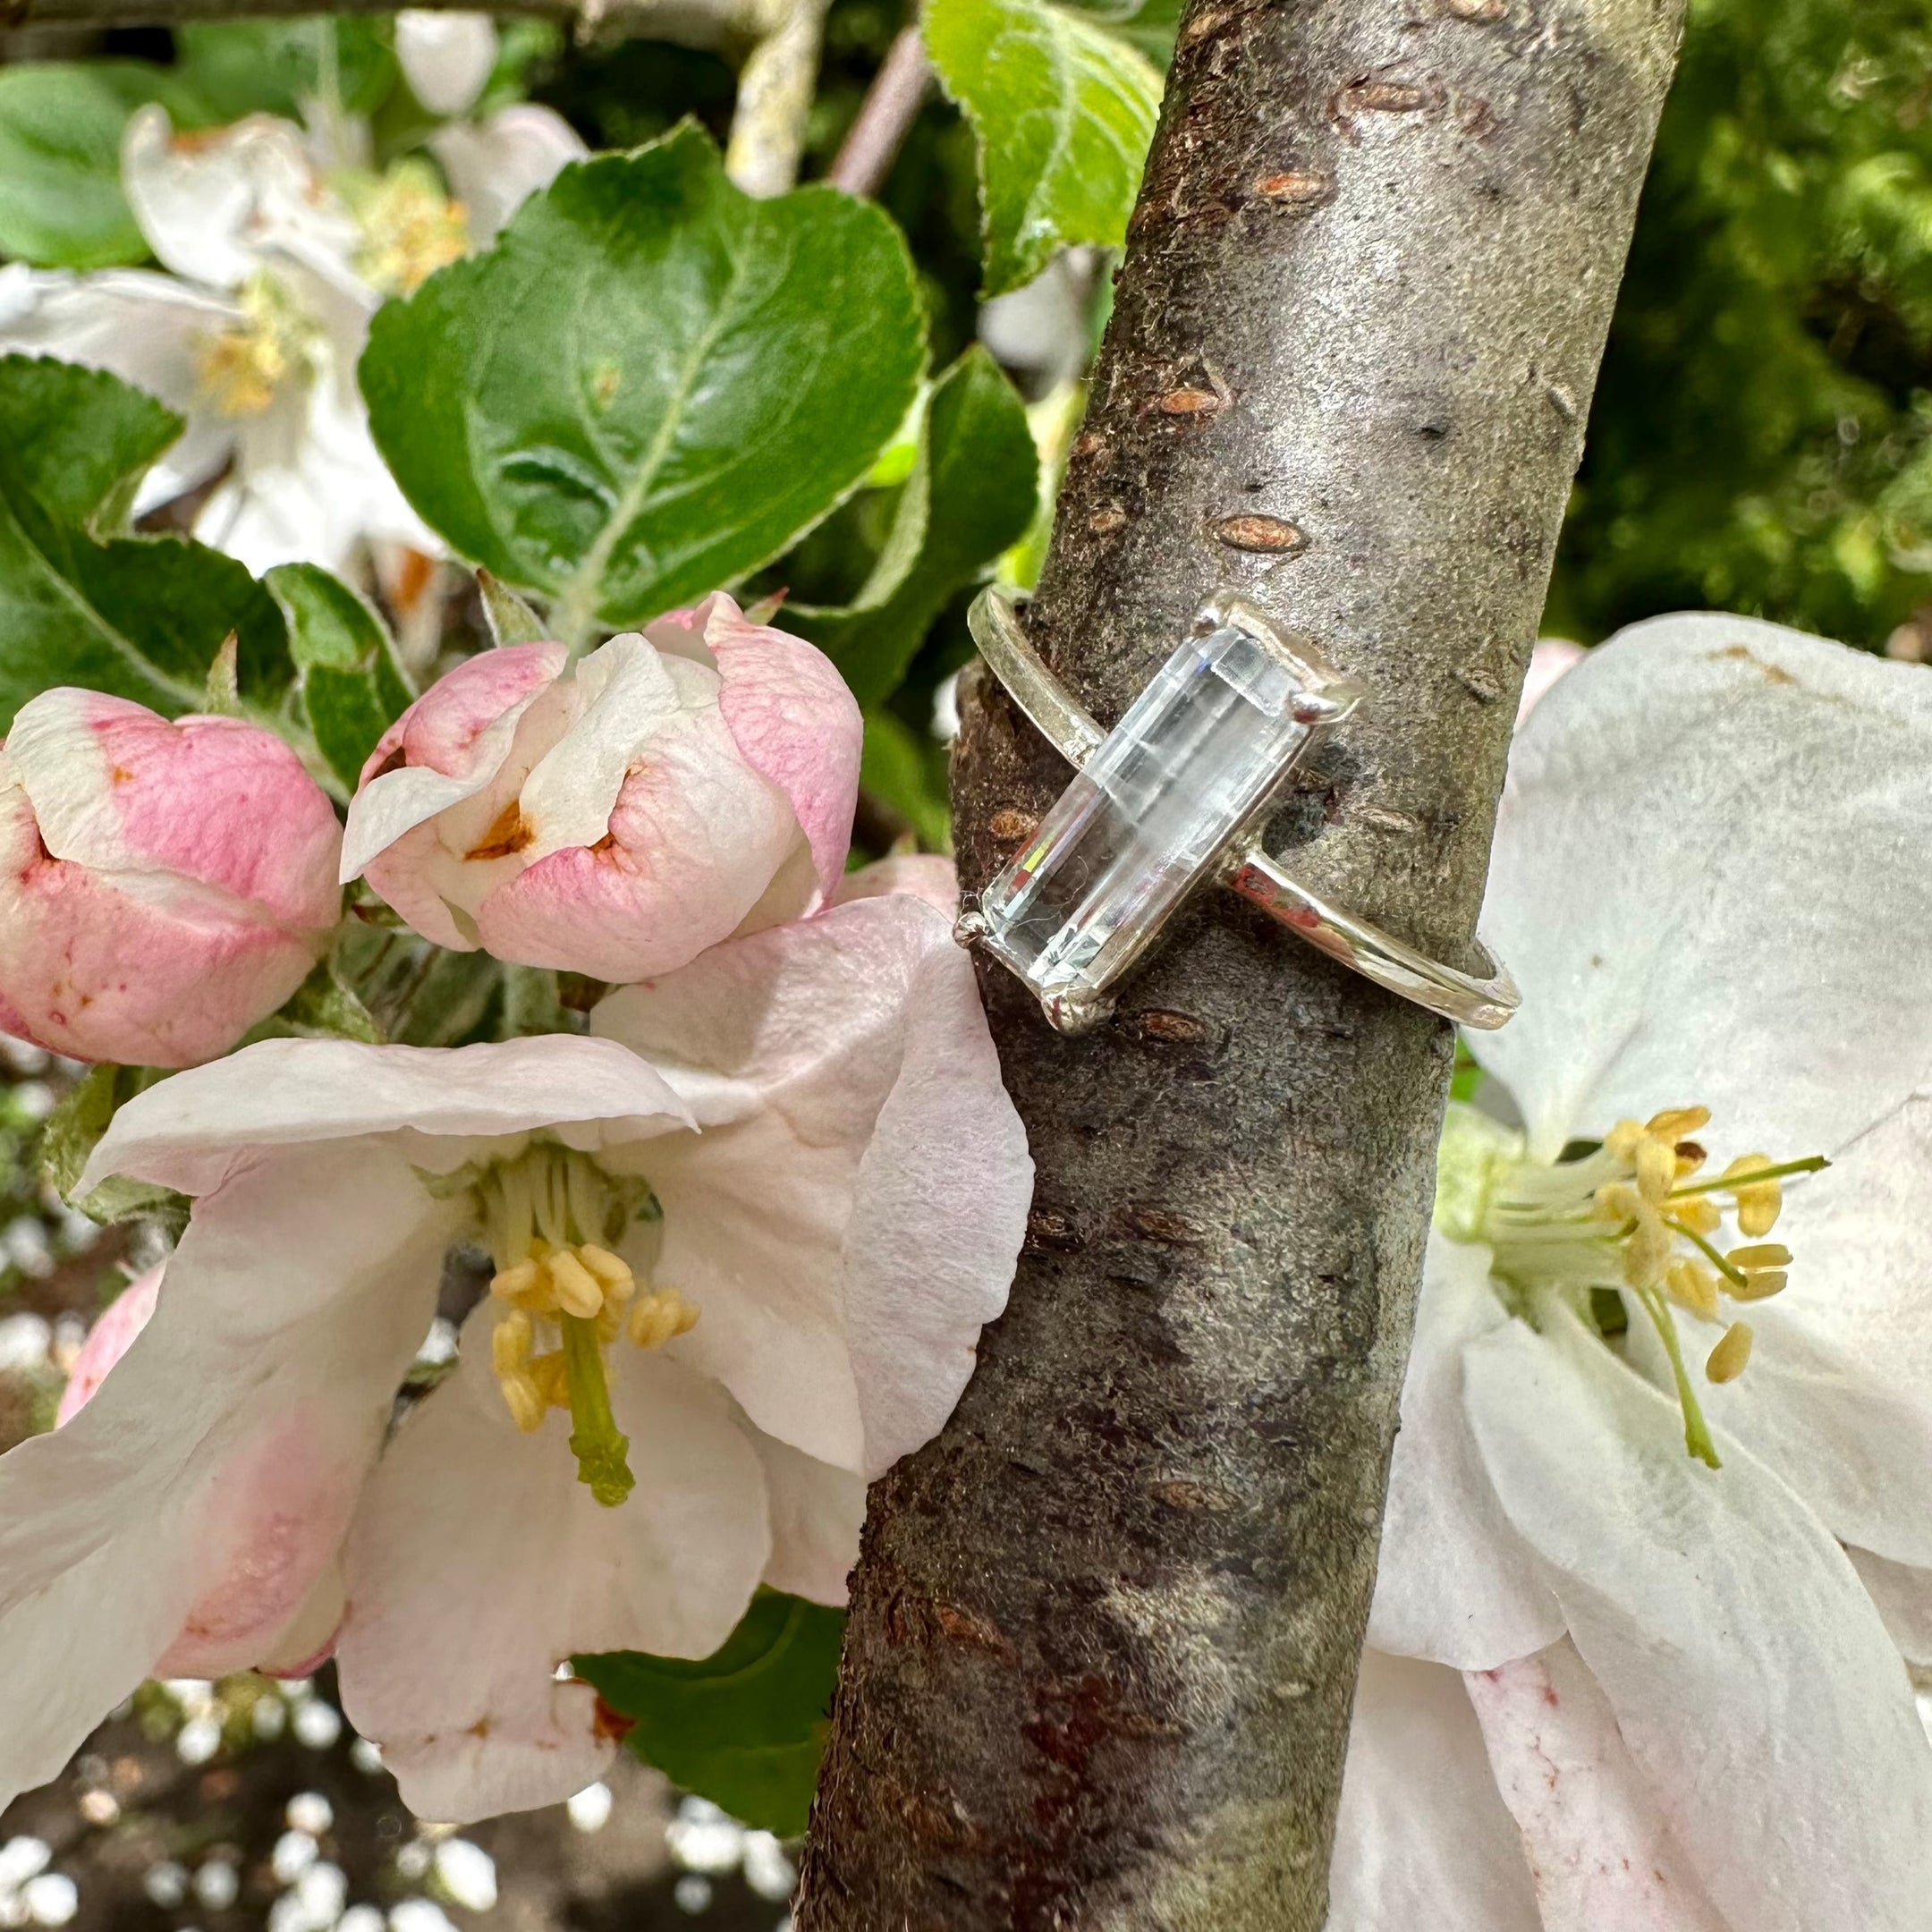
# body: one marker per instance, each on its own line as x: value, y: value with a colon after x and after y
x: 1762, y: 435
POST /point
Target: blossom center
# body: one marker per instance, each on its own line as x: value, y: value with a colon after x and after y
x: 242, y: 365
x: 1632, y: 1215
x: 410, y: 229
x: 552, y: 1218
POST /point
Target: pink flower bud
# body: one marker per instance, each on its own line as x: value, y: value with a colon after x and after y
x: 616, y: 816
x: 163, y: 886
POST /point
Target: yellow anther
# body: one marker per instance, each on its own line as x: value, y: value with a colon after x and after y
x: 1624, y: 1139
x: 511, y: 1283
x: 660, y: 1318
x: 1758, y: 1285
x: 1656, y: 1169
x: 610, y: 1321
x: 525, y: 1401
x: 1760, y: 1204
x: 1648, y: 1253
x: 577, y: 1290
x: 614, y: 1275
x: 1765, y: 1255
x: 1694, y: 1286
x: 511, y: 1343
x: 1691, y: 1157
x: 1726, y: 1361
x: 1618, y: 1201
x: 551, y: 1375
x: 1700, y: 1214
x: 1674, y: 1123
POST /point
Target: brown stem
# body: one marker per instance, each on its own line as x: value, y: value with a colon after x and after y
x: 1104, y: 1631
x: 885, y: 116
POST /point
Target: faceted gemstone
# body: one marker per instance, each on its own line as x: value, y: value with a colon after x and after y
x: 1196, y: 756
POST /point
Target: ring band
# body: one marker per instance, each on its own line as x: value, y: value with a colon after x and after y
x: 1484, y: 1002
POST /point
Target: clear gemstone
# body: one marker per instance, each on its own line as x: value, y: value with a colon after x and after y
x: 1197, y: 755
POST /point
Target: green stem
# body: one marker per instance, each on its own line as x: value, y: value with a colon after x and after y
x: 1730, y: 1272
x: 1696, y: 1430
x: 595, y: 1439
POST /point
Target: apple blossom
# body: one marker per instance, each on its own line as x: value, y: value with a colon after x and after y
x: 276, y: 260
x: 616, y: 816
x: 163, y: 886
x: 1610, y: 1684
x: 744, y: 1240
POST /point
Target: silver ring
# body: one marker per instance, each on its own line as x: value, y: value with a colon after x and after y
x: 1002, y: 922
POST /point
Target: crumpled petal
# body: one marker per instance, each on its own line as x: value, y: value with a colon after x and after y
x: 469, y: 1526
x: 1455, y: 1583
x: 1600, y: 1850
x: 1780, y: 979
x: 1738, y: 1650
x: 851, y: 1212
x: 1422, y: 1841
x: 145, y: 1523
x: 496, y: 165
x: 446, y: 57
x: 192, y: 1131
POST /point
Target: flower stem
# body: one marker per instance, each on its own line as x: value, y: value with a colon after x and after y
x: 1697, y: 1431
x: 595, y: 1440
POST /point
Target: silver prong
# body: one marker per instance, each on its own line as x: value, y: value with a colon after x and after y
x: 1072, y: 1014
x: 970, y: 925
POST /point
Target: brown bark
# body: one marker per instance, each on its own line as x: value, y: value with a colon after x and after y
x: 1104, y: 1631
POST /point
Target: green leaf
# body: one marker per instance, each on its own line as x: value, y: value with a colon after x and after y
x: 241, y: 67
x: 745, y: 1727
x: 510, y: 619
x: 907, y: 774
x: 651, y: 384
x: 971, y: 493
x: 1064, y: 111
x: 74, y: 1128
x: 142, y: 617
x: 323, y: 1006
x: 59, y: 159
x: 80, y: 439
x: 352, y: 687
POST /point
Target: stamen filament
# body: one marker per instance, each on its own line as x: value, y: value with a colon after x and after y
x: 1732, y: 1275
x: 1729, y: 1183
x: 1697, y: 1431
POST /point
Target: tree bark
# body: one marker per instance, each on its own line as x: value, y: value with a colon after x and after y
x: 1105, y: 1628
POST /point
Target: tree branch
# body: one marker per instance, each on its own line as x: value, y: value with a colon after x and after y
x: 885, y: 116
x: 1105, y: 1628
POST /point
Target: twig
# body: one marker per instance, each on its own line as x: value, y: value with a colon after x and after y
x: 774, y: 96
x: 885, y: 116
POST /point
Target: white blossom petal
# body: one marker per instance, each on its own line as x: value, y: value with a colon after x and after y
x: 851, y: 1212
x: 191, y: 1130
x: 816, y: 1510
x: 468, y: 1526
x: 1741, y: 1654
x: 446, y: 58
x: 1455, y: 1583
x: 158, y: 1515
x: 1748, y: 969
x: 1902, y: 1596
x: 1422, y: 1842
x: 1600, y: 1851
x: 494, y: 166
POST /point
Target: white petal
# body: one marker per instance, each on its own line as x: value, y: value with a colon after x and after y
x: 445, y: 57
x: 469, y: 1526
x: 191, y: 1130
x: 213, y: 208
x: 1422, y: 1841
x: 1750, y: 1674
x: 1455, y: 1583
x: 1686, y: 928
x: 494, y: 166
x: 1600, y: 1848
x: 815, y: 1514
x: 285, y: 1323
x: 1903, y: 1598
x: 850, y: 1215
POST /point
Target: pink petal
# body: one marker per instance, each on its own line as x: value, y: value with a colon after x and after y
x: 796, y: 722
x: 1551, y: 658
x: 925, y: 875
x: 108, y: 1342
x: 444, y: 727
